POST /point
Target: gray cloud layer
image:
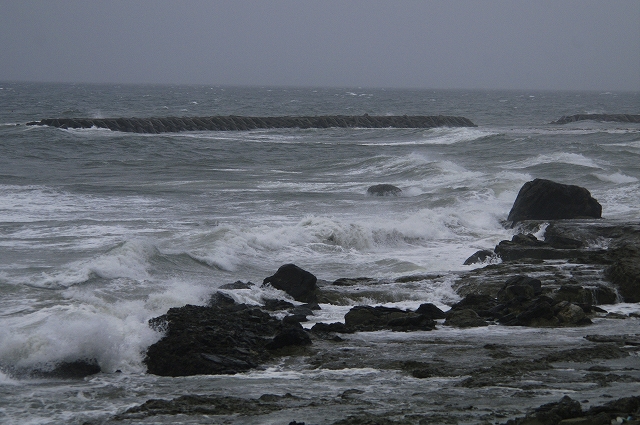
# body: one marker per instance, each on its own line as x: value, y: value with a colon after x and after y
x: 508, y: 44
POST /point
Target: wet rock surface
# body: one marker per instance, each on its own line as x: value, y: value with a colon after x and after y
x: 293, y: 280
x: 223, y: 338
x: 543, y: 199
x: 238, y: 123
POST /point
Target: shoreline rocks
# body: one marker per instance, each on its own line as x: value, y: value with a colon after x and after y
x: 222, y: 338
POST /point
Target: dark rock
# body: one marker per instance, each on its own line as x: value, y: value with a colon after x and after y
x: 354, y: 281
x: 552, y: 413
x: 483, y: 305
x: 226, y: 123
x: 547, y: 200
x: 384, y: 190
x: 625, y: 272
x: 77, y: 369
x: 197, y: 405
x: 293, y: 280
x: 580, y: 295
x: 598, y: 117
x: 479, y: 257
x: 221, y: 298
x: 601, y: 351
x: 237, y: 285
x: 336, y: 327
x: 464, y: 318
x: 431, y: 311
x: 367, y: 318
x: 272, y: 304
x: 221, y: 338
x: 519, y: 288
x: 294, y: 318
x: 293, y: 336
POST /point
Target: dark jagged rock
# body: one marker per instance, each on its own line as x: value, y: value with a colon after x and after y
x: 223, y: 338
x: 291, y: 336
x: 464, y: 318
x: 293, y: 280
x: 518, y: 289
x: 336, y: 327
x: 272, y: 304
x: 542, y: 199
x: 431, y: 311
x: 625, y: 272
x: 236, y: 123
x: 367, y: 318
x: 599, y: 117
x: 384, y: 190
x: 479, y: 257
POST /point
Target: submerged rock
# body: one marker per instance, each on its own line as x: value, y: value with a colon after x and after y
x: 384, y: 190
x: 542, y: 199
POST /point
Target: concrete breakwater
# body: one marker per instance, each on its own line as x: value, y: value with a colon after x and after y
x: 599, y: 117
x: 240, y: 123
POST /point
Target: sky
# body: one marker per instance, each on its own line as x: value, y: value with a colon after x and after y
x: 453, y: 44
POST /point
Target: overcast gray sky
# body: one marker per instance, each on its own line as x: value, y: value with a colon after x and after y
x: 486, y: 44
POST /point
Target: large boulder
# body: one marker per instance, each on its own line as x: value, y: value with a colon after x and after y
x: 542, y: 199
x: 298, y: 283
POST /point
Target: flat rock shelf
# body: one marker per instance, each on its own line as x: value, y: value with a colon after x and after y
x: 238, y: 123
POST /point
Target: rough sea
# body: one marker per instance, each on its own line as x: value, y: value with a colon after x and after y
x: 101, y: 231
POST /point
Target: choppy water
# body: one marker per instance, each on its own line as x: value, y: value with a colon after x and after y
x: 101, y: 230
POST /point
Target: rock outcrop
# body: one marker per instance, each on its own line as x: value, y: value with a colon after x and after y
x: 236, y: 123
x: 542, y: 199
x: 223, y: 338
x: 367, y: 318
x: 297, y: 282
x: 599, y: 117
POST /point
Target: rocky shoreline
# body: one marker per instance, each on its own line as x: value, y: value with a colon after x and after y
x: 532, y: 325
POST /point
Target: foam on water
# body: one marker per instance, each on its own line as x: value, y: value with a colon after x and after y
x: 555, y: 158
x: 91, y: 325
x: 615, y: 178
x: 439, y: 136
x: 129, y: 259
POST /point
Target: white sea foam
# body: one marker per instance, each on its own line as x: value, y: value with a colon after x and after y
x: 438, y: 136
x: 616, y: 178
x: 129, y: 260
x: 558, y: 157
x: 91, y: 326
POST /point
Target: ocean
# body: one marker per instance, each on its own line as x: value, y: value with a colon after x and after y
x: 101, y: 231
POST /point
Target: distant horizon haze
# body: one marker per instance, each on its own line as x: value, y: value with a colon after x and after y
x: 541, y: 45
